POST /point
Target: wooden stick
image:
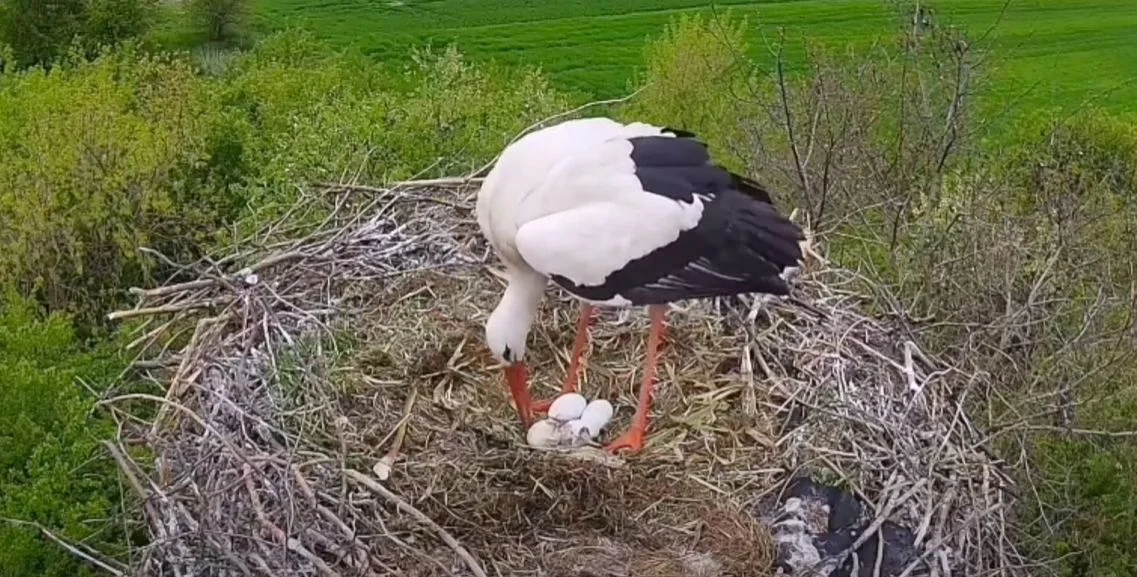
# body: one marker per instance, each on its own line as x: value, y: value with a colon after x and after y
x: 409, y: 509
x: 117, y: 315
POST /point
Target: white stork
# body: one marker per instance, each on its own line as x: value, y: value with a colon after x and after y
x: 622, y: 215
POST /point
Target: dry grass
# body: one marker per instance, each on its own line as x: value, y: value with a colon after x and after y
x: 273, y: 420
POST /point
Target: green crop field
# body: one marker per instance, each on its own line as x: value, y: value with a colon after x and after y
x: 1051, y: 52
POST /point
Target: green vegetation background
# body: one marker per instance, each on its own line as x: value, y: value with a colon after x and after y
x: 114, y: 142
x: 1046, y: 53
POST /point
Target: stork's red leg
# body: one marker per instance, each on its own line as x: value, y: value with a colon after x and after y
x: 634, y: 438
x: 572, y: 379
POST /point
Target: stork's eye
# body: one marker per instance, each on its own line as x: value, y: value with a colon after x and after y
x: 507, y: 354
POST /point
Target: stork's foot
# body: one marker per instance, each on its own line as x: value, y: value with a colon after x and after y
x: 541, y: 406
x: 633, y: 441
x: 525, y: 416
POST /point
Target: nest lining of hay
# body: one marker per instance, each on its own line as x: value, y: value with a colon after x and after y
x: 306, y: 363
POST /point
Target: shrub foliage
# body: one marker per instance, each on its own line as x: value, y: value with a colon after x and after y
x: 132, y: 150
x: 223, y: 21
x: 40, y: 32
x: 52, y: 470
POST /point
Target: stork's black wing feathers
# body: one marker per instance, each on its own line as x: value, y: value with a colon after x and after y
x: 750, y: 188
x: 693, y: 155
x: 740, y: 245
x: 680, y: 132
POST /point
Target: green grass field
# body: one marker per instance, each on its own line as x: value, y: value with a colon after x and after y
x: 1050, y: 52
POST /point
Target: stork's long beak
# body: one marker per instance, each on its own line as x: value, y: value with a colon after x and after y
x: 517, y: 375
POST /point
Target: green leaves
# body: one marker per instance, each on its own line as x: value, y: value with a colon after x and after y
x: 42, y: 31
x: 97, y: 159
x: 39, y: 31
x: 52, y: 469
x: 100, y: 158
x: 303, y: 112
x: 695, y: 75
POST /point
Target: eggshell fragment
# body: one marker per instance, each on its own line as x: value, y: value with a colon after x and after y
x: 567, y: 407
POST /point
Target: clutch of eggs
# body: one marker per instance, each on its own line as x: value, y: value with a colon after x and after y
x: 572, y: 421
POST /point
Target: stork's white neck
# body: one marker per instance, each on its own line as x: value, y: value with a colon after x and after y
x: 507, y: 329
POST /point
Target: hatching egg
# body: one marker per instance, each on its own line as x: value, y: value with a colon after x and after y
x: 578, y: 434
x: 547, y: 433
x: 543, y: 433
x: 595, y: 416
x: 567, y: 407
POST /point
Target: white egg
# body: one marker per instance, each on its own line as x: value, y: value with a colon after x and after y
x: 567, y: 407
x: 543, y: 433
x: 596, y: 416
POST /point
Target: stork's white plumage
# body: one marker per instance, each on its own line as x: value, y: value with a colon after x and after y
x: 622, y: 215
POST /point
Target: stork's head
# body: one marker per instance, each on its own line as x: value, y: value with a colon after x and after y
x: 507, y: 331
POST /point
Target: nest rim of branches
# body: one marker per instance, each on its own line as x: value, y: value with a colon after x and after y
x: 401, y: 450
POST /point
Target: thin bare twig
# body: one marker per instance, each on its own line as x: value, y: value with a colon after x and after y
x: 406, y: 507
x: 105, y: 566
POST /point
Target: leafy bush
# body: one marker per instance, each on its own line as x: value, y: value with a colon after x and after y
x: 1075, y: 209
x: 692, y: 55
x: 114, y: 21
x: 128, y: 150
x: 1094, y: 513
x: 41, y: 31
x: 98, y: 159
x: 52, y: 469
x: 1025, y: 261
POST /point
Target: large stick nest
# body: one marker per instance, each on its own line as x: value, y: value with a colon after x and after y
x: 302, y: 368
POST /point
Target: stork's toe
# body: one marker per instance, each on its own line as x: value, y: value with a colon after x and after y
x: 633, y: 441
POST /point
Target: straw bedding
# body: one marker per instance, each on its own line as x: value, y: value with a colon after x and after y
x: 327, y: 407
